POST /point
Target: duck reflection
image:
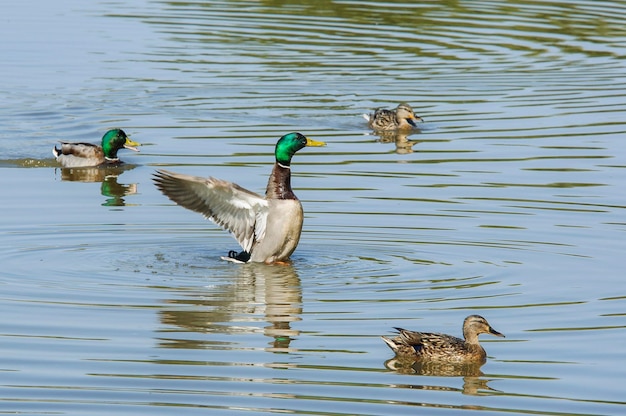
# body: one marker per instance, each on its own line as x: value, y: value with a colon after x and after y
x: 434, y: 368
x: 470, y: 371
x: 108, y: 177
x: 271, y: 293
x: 400, y: 139
x: 282, y: 293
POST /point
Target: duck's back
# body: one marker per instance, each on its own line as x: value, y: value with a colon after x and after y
x: 441, y: 346
x: 74, y: 155
x: 435, y: 344
x: 383, y: 119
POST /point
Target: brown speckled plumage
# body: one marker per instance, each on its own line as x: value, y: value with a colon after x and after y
x: 401, y: 118
x: 435, y: 346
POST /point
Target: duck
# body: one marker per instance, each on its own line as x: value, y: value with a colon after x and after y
x: 442, y: 347
x: 266, y: 227
x: 401, y: 118
x: 74, y: 155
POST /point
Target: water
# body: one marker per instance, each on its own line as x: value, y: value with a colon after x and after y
x: 508, y: 202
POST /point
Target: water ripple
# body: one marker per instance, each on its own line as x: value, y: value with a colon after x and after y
x: 505, y: 202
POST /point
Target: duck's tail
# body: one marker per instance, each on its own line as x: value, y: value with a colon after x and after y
x: 235, y: 257
x: 391, y: 343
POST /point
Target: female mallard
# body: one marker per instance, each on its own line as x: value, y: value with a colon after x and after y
x: 425, y: 345
x: 74, y: 155
x: 268, y: 229
x: 402, y: 118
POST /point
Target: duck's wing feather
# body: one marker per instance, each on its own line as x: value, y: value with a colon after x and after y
x: 382, y: 119
x: 242, y: 212
x: 429, y: 341
x: 78, y: 154
x: 86, y: 150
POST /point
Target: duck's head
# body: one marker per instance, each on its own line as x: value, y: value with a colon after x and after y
x: 289, y: 144
x: 475, y: 325
x: 405, y: 112
x: 114, y: 140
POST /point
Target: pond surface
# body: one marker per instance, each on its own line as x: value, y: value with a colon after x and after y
x: 508, y: 202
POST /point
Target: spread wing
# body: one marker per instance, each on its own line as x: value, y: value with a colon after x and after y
x: 242, y: 212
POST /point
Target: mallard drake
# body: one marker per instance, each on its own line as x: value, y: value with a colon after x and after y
x: 425, y: 345
x: 402, y: 118
x: 74, y: 155
x: 267, y: 228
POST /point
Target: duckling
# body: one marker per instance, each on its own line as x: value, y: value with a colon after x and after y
x: 74, y: 155
x: 442, y: 347
x: 402, y: 118
x: 267, y: 228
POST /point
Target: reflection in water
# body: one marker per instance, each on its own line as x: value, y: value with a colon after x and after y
x: 259, y: 292
x: 401, y: 140
x: 283, y: 303
x: 115, y: 191
x: 503, y: 213
x: 107, y: 175
x: 434, y: 368
x: 470, y: 372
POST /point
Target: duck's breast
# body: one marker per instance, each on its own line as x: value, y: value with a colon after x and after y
x: 282, y: 231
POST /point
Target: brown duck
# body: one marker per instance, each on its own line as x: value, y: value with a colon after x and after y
x: 401, y: 118
x: 442, y: 347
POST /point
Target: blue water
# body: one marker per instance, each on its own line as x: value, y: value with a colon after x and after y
x: 507, y: 202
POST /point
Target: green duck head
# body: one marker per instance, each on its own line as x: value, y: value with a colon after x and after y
x: 289, y: 144
x: 114, y: 140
